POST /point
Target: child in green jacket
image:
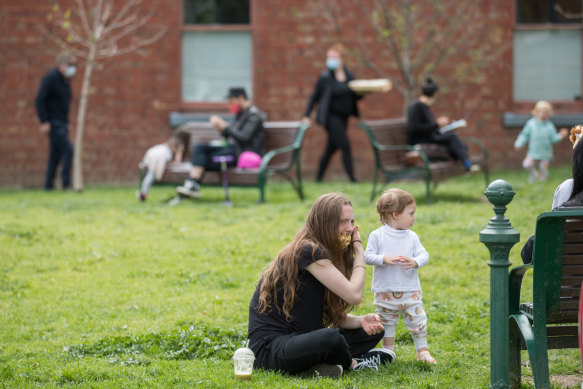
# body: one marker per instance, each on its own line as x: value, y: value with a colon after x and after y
x: 540, y: 133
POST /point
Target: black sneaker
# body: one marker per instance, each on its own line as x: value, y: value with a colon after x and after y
x: 374, y: 358
x: 190, y: 188
x: 324, y: 370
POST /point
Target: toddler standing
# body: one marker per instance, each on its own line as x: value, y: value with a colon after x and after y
x: 540, y: 133
x: 396, y: 253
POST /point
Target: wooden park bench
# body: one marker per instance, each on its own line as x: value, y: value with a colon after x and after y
x: 283, y: 142
x: 395, y: 159
x: 550, y: 321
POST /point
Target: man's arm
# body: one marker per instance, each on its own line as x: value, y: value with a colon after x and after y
x: 247, y: 130
x: 41, y: 105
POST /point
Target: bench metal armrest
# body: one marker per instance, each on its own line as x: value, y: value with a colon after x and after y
x: 478, y: 143
x: 271, y: 154
x: 296, y: 145
x: 514, y: 285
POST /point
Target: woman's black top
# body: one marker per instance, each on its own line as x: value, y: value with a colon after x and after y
x: 332, y: 96
x: 306, y: 312
x: 421, y: 125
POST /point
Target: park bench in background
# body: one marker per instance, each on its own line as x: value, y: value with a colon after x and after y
x: 395, y: 159
x: 283, y: 141
x: 550, y: 321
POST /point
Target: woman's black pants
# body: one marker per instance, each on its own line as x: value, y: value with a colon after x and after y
x: 294, y: 353
x: 337, y: 139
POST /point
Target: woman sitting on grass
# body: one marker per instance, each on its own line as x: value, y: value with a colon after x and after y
x: 298, y: 320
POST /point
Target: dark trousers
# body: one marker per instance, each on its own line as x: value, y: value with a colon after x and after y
x: 60, y: 151
x: 455, y: 146
x: 337, y: 139
x: 295, y: 353
x: 203, y: 153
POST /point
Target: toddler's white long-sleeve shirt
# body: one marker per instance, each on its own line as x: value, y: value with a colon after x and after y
x: 394, y: 278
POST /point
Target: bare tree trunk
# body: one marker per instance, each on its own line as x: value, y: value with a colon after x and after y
x: 78, y: 156
x: 94, y: 33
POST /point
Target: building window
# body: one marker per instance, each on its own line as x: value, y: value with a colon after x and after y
x: 216, y: 49
x: 547, y: 50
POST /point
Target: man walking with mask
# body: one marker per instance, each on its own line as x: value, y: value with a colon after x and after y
x: 244, y: 134
x: 52, y: 105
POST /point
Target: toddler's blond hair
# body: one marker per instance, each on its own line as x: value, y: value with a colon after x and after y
x: 540, y: 105
x: 393, y: 200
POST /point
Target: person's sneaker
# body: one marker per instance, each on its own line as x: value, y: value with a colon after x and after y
x: 189, y: 189
x: 533, y: 176
x: 141, y: 196
x: 475, y: 168
x: 324, y: 370
x: 374, y: 358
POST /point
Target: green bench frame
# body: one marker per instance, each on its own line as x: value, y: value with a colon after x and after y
x: 550, y: 321
x: 283, y: 142
x: 388, y: 139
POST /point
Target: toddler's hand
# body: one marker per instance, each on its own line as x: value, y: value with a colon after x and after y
x: 393, y: 259
x: 408, y: 263
x: 564, y: 132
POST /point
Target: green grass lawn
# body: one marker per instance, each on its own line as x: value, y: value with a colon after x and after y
x: 99, y: 290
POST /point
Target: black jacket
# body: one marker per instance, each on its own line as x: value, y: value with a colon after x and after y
x: 53, y: 98
x: 322, y: 95
x: 246, y: 131
x: 421, y: 125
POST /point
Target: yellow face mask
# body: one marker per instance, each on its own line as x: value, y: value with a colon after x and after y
x: 345, y: 240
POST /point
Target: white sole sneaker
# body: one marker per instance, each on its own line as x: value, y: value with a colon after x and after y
x: 187, y: 192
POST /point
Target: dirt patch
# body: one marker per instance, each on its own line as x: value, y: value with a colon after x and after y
x: 564, y: 381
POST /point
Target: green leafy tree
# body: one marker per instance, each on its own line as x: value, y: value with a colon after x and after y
x: 94, y: 30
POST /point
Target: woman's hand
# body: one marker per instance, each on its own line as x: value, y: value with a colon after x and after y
x: 443, y: 121
x: 371, y: 324
x: 356, y: 234
x: 306, y: 120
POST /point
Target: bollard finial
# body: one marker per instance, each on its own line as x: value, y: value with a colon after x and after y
x: 499, y: 229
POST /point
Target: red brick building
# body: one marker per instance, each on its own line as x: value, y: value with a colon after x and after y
x: 276, y: 49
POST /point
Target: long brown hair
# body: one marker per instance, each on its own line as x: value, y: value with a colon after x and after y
x: 320, y: 231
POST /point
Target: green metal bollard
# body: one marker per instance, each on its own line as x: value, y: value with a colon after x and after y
x: 499, y: 237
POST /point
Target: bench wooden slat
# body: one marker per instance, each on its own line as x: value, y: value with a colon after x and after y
x: 573, y: 225
x: 569, y: 303
x: 573, y: 237
x: 567, y: 341
x: 561, y: 330
x: 573, y: 270
x: 570, y: 291
x: 571, y: 281
x: 572, y: 259
x: 573, y: 248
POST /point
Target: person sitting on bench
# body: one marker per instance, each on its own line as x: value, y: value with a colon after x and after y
x: 423, y: 128
x: 244, y: 133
